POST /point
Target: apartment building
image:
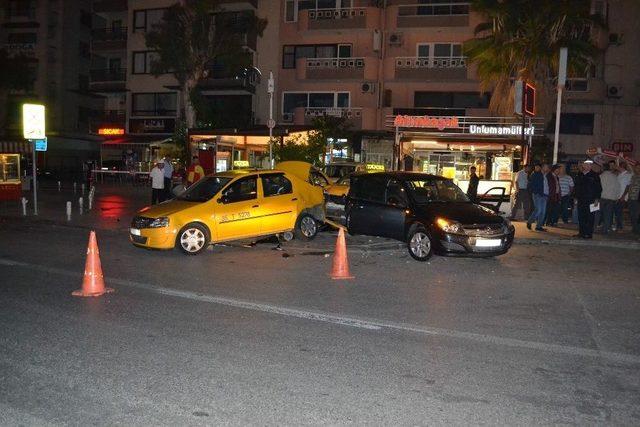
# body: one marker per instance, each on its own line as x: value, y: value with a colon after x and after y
x: 54, y: 35
x: 139, y: 109
x: 371, y: 61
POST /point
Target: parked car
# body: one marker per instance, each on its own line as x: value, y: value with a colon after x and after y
x: 430, y: 213
x: 233, y: 205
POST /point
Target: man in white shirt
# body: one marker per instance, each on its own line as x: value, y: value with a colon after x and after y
x: 522, y: 195
x: 624, y: 177
x: 566, y: 193
x: 609, y: 196
x: 157, y: 182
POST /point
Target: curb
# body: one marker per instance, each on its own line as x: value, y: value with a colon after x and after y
x: 631, y: 245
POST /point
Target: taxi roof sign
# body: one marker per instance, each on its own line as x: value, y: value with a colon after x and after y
x: 241, y: 164
x: 33, y: 121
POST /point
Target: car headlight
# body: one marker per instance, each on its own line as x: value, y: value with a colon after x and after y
x: 163, y: 221
x: 449, y: 226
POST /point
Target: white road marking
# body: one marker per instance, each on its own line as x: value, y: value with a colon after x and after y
x: 370, y: 324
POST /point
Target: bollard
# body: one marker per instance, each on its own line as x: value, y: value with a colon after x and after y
x: 24, y: 206
x: 59, y: 186
x: 74, y: 187
x: 68, y: 211
x: 82, y: 186
x: 80, y: 203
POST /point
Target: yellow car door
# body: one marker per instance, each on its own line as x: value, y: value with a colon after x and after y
x: 237, y: 212
x: 278, y: 203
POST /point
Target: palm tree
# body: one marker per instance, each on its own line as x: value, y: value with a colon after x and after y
x: 521, y: 39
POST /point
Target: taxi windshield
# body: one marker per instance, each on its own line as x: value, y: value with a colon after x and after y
x: 435, y: 190
x: 204, y: 189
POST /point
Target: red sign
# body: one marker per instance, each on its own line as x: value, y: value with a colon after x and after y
x: 622, y: 147
x: 110, y: 131
x: 439, y: 123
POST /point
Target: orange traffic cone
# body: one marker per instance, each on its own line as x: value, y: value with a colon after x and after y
x: 93, y: 283
x: 340, y: 268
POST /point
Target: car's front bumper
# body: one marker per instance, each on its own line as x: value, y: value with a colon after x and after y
x: 154, y: 238
x: 469, y: 245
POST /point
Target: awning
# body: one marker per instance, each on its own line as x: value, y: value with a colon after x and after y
x: 16, y: 147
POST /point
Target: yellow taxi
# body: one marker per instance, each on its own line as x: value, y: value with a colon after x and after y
x: 241, y: 204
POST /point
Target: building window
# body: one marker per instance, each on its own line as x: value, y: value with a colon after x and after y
x: 451, y: 100
x: 85, y: 18
x: 292, y: 7
x: 438, y: 7
x: 439, y: 50
x: 20, y: 9
x: 22, y: 38
x: 142, y: 62
x: 577, y: 85
x: 84, y: 50
x: 83, y: 82
x: 290, y: 53
x: 144, y: 20
x: 574, y: 124
x: 154, y: 104
x: 293, y: 100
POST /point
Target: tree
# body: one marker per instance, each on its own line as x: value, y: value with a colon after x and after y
x: 194, y: 36
x: 327, y: 128
x: 522, y: 39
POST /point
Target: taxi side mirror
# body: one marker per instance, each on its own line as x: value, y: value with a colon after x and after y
x: 222, y: 200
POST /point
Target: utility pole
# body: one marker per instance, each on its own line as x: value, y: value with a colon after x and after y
x: 271, y: 123
x: 562, y: 77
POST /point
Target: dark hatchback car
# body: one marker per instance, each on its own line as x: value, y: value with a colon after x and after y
x: 430, y: 213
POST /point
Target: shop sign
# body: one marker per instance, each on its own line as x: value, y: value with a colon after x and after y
x: 152, y: 125
x: 440, y: 123
x: 622, y: 147
x: 501, y: 130
x: 110, y: 131
x: 40, y: 144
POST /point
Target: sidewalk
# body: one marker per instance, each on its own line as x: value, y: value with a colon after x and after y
x: 115, y: 205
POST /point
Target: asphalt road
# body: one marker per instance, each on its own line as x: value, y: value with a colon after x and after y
x: 542, y: 335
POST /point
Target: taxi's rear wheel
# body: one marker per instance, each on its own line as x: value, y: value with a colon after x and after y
x: 193, y: 239
x: 306, y: 227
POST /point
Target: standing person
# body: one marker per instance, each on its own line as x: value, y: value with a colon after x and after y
x: 587, y: 191
x: 522, y: 196
x: 609, y: 196
x: 157, y: 183
x: 539, y: 188
x: 168, y: 175
x: 553, y: 202
x: 633, y: 192
x: 472, y: 190
x: 566, y: 193
x: 624, y: 177
x: 195, y: 172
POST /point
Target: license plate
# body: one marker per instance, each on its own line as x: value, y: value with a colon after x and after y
x: 488, y: 243
x: 135, y: 232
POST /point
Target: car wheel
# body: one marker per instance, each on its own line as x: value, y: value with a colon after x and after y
x: 193, y: 239
x: 306, y: 227
x: 347, y: 223
x: 419, y: 243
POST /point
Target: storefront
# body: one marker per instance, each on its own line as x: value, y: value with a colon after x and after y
x: 14, y: 156
x: 450, y: 146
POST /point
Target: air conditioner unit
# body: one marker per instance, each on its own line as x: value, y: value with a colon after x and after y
x: 395, y: 39
x: 368, y: 87
x: 287, y: 117
x: 616, y: 39
x: 614, y: 91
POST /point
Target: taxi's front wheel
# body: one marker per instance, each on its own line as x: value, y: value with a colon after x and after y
x: 193, y: 239
x: 306, y: 227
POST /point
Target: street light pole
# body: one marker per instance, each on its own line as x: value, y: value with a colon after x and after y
x: 562, y: 77
x: 271, y: 123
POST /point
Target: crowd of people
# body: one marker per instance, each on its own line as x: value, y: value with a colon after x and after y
x: 162, y: 175
x: 596, y: 197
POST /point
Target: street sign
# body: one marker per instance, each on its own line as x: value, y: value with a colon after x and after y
x: 271, y: 123
x: 33, y: 121
x: 40, y: 144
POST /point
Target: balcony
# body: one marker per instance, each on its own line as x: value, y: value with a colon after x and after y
x: 354, y: 68
x: 432, y: 68
x: 305, y: 116
x: 110, y: 6
x: 109, y: 38
x: 455, y: 14
x: 108, y: 80
x: 348, y: 18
